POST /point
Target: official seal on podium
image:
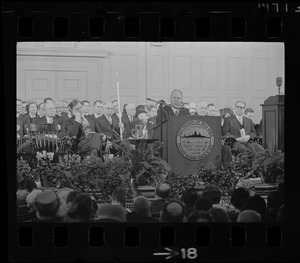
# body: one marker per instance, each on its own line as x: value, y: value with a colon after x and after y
x: 195, y: 140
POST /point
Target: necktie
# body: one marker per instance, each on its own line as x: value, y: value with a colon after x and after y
x: 50, y: 121
x: 110, y: 120
x: 176, y: 112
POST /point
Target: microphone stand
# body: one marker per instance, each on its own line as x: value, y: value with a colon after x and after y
x: 161, y: 104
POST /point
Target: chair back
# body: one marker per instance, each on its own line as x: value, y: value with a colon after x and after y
x: 45, y: 136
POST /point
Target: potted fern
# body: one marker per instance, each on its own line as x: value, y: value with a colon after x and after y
x: 147, y: 168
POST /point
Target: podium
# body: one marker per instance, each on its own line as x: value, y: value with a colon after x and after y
x: 273, y: 122
x: 189, y: 141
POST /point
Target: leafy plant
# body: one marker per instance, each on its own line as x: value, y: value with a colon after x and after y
x: 269, y: 165
x: 146, y: 167
x: 23, y: 170
x: 179, y: 182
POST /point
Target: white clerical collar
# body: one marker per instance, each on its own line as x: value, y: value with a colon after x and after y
x: 49, y: 120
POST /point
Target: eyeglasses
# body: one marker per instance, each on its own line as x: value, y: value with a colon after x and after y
x: 109, y: 108
x: 240, y: 107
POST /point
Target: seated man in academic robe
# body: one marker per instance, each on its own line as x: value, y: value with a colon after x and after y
x: 109, y: 125
x: 84, y: 128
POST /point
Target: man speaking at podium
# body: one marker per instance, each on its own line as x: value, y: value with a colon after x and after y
x: 175, y: 108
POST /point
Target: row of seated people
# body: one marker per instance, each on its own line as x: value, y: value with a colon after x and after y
x: 74, y: 120
x: 67, y: 205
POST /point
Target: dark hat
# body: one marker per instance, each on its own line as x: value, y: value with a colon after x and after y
x: 108, y: 211
x: 47, y: 201
x: 140, y: 109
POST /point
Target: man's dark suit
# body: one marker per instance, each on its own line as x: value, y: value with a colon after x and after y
x: 22, y: 130
x: 56, y: 120
x: 85, y: 144
x: 109, y: 129
x: 128, y: 125
x: 168, y: 111
x: 232, y: 127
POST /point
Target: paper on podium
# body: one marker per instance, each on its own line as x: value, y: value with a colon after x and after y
x: 243, y: 133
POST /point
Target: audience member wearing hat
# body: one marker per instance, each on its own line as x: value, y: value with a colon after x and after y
x: 80, y: 209
x: 110, y: 213
x: 47, y: 204
x: 172, y: 212
x: 141, y: 211
x: 249, y: 216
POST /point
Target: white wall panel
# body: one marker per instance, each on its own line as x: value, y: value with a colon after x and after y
x: 235, y: 73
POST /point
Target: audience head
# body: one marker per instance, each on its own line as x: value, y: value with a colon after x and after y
x: 116, y: 106
x: 200, y: 216
x: 21, y: 197
x: 46, y: 100
x: 141, y: 205
x: 249, y: 113
x: 71, y: 196
x: 108, y: 109
x: 219, y: 214
x: 130, y: 109
x: 111, y: 213
x: 203, y: 203
x: 47, y: 204
x: 80, y: 209
x: 189, y: 197
x: 64, y: 192
x: 239, y: 197
x: 23, y: 107
x: 141, y: 113
x: 211, y: 109
x: 152, y: 111
x: 256, y: 203
x: 201, y: 108
x: 239, y: 107
x: 58, y: 107
x: 212, y: 192
x: 176, y: 98
x: 65, y: 106
x: 31, y: 108
x: 163, y: 191
x: 41, y: 109
x: 75, y: 106
x: 19, y: 105
x: 226, y: 112
x: 172, y: 212
x: 49, y: 110
x: 30, y: 199
x: 119, y: 197
x: 274, y: 200
x: 98, y: 107
x: 249, y: 216
x: 192, y: 108
x: 85, y: 107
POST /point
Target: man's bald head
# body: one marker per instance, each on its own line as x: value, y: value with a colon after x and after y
x: 50, y: 109
x: 201, y: 108
x: 130, y: 109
